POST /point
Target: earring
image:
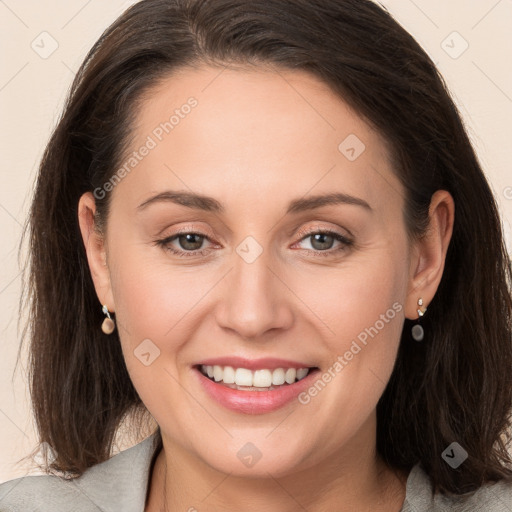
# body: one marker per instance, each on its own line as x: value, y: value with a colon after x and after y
x: 108, y: 324
x: 417, y: 330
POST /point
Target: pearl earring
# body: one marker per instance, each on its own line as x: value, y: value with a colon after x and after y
x: 417, y: 330
x: 108, y: 324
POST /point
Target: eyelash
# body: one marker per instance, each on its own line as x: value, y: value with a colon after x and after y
x: 345, y: 243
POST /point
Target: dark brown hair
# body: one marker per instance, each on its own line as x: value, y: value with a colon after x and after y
x: 454, y: 386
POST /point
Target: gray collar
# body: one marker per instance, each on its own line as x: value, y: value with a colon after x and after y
x: 124, y: 476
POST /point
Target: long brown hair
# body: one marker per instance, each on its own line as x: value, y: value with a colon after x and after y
x: 454, y: 386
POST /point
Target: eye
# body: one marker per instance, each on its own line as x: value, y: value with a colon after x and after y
x: 185, y: 244
x: 190, y: 241
x: 322, y: 241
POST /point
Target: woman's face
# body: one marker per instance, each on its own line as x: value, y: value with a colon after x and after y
x: 270, y: 276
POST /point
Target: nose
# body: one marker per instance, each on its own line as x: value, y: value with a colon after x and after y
x: 254, y: 300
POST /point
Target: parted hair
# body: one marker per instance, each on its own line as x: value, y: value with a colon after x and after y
x: 456, y: 385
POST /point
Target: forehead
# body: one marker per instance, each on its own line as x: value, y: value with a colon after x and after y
x: 257, y: 131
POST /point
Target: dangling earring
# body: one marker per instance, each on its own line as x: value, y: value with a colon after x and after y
x: 417, y: 330
x: 108, y: 324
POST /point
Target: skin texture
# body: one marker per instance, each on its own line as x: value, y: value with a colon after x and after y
x: 258, y: 139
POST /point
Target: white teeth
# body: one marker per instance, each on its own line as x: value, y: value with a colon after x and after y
x: 301, y: 373
x: 243, y: 377
x: 290, y: 375
x: 262, y: 378
x: 229, y: 375
x: 259, y: 378
x: 278, y: 377
x: 217, y: 373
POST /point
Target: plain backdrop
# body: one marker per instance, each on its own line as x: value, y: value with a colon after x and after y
x: 42, y: 46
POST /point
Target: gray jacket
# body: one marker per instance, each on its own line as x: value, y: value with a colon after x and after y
x: 120, y: 485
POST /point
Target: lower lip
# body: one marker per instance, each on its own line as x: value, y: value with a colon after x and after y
x: 254, y: 402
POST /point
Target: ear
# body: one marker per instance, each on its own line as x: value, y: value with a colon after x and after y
x: 429, y: 253
x: 96, y: 251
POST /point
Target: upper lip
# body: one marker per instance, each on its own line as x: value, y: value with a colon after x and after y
x: 269, y: 363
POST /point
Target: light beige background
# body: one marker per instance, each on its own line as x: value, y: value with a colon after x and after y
x: 33, y: 88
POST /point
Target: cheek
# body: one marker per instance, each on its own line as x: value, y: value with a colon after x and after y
x: 360, y: 310
x: 152, y: 297
x: 354, y: 310
x: 352, y: 298
x: 153, y: 302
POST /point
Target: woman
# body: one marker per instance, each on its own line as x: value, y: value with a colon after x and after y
x: 264, y: 224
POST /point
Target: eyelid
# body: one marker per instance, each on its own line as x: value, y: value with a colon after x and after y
x: 301, y: 234
x: 323, y: 229
x: 165, y: 243
x: 205, y: 232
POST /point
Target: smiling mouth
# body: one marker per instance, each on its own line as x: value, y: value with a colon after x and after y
x: 244, y: 379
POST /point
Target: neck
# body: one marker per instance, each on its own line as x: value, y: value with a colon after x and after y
x: 354, y: 478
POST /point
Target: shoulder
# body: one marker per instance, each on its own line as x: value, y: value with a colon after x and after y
x: 119, y: 483
x: 491, y: 497
x: 37, y: 493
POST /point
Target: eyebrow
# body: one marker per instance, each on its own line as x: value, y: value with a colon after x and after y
x: 312, y: 202
x: 209, y: 204
x: 188, y: 199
